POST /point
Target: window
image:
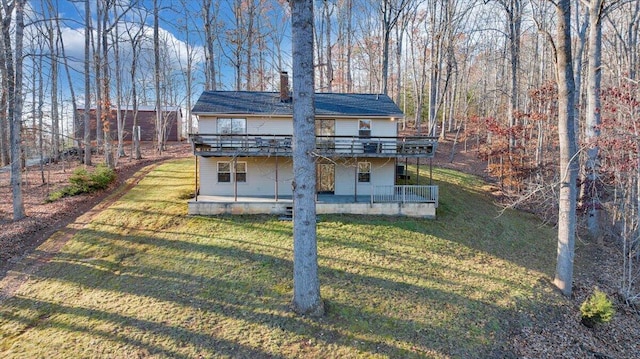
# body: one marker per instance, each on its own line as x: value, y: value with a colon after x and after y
x: 364, y: 128
x: 241, y: 172
x: 325, y: 132
x: 232, y: 126
x: 364, y: 172
x: 224, y: 172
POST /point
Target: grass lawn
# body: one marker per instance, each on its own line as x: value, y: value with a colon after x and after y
x: 146, y: 280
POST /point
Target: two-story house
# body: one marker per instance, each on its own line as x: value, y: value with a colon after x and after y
x: 245, y: 165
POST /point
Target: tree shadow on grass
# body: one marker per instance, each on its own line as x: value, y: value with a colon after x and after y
x: 354, y: 320
x: 52, y: 313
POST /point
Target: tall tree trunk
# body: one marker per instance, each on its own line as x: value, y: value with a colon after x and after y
x: 106, y: 89
x: 567, y: 140
x: 250, y: 35
x: 135, y: 42
x: 391, y: 11
x: 209, y: 34
x: 55, y: 118
x: 40, y: 116
x: 513, y: 10
x: 87, y: 84
x: 328, y: 57
x: 15, y: 102
x: 97, y: 56
x: 349, y: 45
x: 6, y: 58
x: 592, y: 117
x: 77, y: 136
x: 119, y: 116
x: 156, y: 71
x: 306, y: 284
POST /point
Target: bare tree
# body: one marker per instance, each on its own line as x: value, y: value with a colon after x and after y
x: 391, y: 11
x: 567, y: 140
x: 115, y: 39
x: 349, y: 76
x: 306, y: 284
x: 513, y: 10
x: 77, y: 136
x: 328, y: 12
x: 13, y: 72
x: 156, y: 76
x: 209, y: 13
x: 87, y: 83
x: 135, y: 33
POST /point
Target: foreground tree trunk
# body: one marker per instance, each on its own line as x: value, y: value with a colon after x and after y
x: 87, y: 85
x: 567, y: 140
x: 156, y: 76
x: 14, y: 81
x: 306, y: 285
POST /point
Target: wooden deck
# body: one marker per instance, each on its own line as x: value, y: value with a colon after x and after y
x: 222, y: 145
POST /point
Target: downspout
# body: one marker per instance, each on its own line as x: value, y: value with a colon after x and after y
x: 196, y: 196
x: 406, y: 170
x: 276, y: 184
x: 430, y: 171
x: 355, y: 183
x: 235, y: 179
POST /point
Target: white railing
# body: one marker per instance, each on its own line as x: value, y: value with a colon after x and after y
x: 405, y: 194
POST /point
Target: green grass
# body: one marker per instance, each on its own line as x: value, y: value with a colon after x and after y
x: 145, y: 280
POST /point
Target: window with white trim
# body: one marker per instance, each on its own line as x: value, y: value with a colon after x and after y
x: 225, y: 173
x: 241, y: 172
x: 231, y: 126
x: 364, y: 128
x: 364, y: 172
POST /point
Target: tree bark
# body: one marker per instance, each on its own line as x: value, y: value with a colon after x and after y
x: 209, y: 33
x: 391, y: 11
x: 55, y: 117
x: 156, y: 68
x: 15, y: 102
x: 592, y: 117
x: 77, y: 136
x: 306, y: 285
x: 567, y: 141
x: 87, y: 84
x: 118, y: 77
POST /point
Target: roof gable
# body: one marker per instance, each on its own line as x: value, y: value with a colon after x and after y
x: 268, y: 103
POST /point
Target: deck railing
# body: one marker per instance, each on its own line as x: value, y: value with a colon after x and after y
x: 405, y: 194
x: 259, y: 144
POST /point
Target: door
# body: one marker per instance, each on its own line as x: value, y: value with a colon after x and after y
x: 325, y: 178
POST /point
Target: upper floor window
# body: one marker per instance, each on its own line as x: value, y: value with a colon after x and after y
x: 364, y: 172
x: 364, y: 128
x: 232, y: 125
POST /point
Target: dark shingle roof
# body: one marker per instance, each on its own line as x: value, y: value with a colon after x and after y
x: 268, y: 103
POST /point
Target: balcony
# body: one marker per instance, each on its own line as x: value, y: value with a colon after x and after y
x: 224, y: 145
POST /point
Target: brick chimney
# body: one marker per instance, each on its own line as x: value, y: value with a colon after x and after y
x: 284, y: 87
